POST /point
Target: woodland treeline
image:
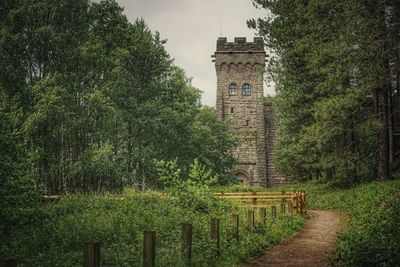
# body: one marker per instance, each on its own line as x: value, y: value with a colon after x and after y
x: 336, y: 65
x: 91, y: 102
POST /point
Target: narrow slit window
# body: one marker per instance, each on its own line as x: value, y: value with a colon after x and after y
x: 246, y: 89
x: 232, y: 89
x: 231, y: 110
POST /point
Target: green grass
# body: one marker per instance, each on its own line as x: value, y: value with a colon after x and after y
x: 53, y: 234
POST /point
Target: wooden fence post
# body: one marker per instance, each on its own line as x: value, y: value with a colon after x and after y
x: 149, y: 248
x: 298, y: 202
x: 187, y: 231
x: 91, y: 254
x: 8, y: 262
x: 250, y: 221
x: 215, y: 232
x: 283, y: 207
x: 290, y: 207
x: 301, y: 203
x: 273, y: 212
x: 293, y: 201
x: 235, y: 223
x: 263, y: 215
x: 254, y: 201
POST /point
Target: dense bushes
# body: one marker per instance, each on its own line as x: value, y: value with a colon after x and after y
x: 373, y: 238
x: 17, y: 190
x: 56, y: 233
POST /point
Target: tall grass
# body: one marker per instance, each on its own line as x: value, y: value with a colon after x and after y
x: 53, y: 234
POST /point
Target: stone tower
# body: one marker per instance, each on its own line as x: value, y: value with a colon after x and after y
x: 240, y: 70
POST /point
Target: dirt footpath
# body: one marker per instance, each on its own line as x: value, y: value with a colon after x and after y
x: 308, y: 247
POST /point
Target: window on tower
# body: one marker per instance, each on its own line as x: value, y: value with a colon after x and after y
x: 232, y: 89
x: 246, y: 89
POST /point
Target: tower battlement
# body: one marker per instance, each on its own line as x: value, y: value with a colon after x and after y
x: 240, y: 45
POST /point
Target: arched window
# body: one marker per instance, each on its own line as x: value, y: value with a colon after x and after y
x: 246, y: 89
x: 232, y: 89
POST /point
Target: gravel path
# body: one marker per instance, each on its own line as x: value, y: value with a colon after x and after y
x: 307, y: 248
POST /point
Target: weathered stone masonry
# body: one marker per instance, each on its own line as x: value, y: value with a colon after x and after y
x: 239, y: 64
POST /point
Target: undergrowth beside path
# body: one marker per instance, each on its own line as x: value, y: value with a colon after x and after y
x: 372, y: 236
x: 53, y: 234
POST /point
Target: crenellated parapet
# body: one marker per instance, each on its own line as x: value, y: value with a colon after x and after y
x: 240, y: 45
x: 240, y: 53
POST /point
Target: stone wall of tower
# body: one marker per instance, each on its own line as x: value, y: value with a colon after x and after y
x: 242, y: 62
x: 271, y: 131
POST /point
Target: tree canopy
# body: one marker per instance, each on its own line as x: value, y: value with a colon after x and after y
x: 336, y: 68
x: 96, y: 100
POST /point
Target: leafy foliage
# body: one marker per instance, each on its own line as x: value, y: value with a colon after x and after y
x: 18, y: 195
x: 170, y: 175
x: 97, y: 100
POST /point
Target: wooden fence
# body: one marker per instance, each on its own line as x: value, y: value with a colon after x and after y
x: 253, y: 200
x: 296, y: 201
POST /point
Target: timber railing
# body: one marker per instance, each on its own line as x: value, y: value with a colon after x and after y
x: 295, y: 201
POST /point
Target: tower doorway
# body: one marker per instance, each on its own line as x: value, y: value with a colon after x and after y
x: 242, y: 178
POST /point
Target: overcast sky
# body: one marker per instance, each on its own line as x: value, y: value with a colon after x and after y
x: 191, y: 28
